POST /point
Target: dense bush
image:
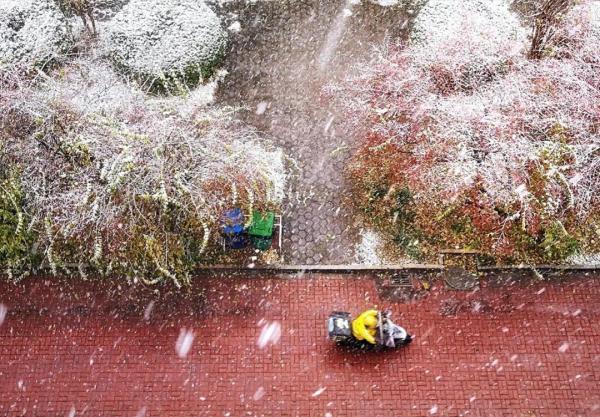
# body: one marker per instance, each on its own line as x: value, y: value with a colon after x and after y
x: 166, y: 45
x: 487, y: 34
x: 509, y: 164
x: 15, y: 237
x: 33, y: 33
x: 132, y: 186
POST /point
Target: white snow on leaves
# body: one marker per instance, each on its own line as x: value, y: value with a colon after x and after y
x: 154, y: 38
x: 32, y: 32
x: 486, y: 20
x: 261, y: 107
x: 386, y: 3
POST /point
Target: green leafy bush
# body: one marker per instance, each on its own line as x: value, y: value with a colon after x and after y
x: 15, y: 238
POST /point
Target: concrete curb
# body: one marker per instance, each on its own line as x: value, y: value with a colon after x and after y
x: 540, y: 267
x: 321, y: 268
x: 385, y: 268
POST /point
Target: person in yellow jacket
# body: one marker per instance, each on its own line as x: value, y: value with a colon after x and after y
x: 364, y: 327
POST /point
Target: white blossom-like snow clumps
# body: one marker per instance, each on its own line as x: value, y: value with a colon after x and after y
x: 440, y: 20
x: 476, y: 37
x: 32, y: 33
x: 465, y: 45
x: 166, y: 44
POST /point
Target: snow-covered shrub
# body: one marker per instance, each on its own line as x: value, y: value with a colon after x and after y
x: 462, y: 44
x: 135, y: 187
x: 442, y: 21
x: 166, y: 45
x: 511, y: 166
x: 32, y: 34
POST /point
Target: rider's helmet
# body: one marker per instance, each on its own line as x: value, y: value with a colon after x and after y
x: 370, y: 322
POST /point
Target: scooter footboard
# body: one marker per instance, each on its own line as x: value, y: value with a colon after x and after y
x: 339, y: 326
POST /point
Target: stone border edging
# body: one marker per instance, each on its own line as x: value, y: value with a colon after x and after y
x: 322, y: 268
x: 546, y: 267
x: 349, y: 268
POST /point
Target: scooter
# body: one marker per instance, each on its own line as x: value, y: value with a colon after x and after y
x: 389, y: 334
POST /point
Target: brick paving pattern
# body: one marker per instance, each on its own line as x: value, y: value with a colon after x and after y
x: 96, y: 349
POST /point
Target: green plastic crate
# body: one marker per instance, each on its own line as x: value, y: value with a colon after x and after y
x: 262, y: 224
x: 261, y: 243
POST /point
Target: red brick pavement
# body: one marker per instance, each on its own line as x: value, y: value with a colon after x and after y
x: 88, y: 350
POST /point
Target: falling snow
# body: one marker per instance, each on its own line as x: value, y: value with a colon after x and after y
x: 240, y: 364
x: 269, y: 335
x: 184, y: 342
x: 148, y: 310
x: 318, y: 392
x: 3, y: 313
x: 141, y: 412
x: 260, y: 392
x: 564, y: 347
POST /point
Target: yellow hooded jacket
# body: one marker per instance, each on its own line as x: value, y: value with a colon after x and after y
x: 364, y: 327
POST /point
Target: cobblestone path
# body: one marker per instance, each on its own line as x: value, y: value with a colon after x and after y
x: 277, y: 70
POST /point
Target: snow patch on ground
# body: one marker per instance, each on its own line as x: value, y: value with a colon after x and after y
x: 584, y: 259
x: 367, y: 251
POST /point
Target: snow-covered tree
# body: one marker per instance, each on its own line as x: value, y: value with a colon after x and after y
x: 82, y: 8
